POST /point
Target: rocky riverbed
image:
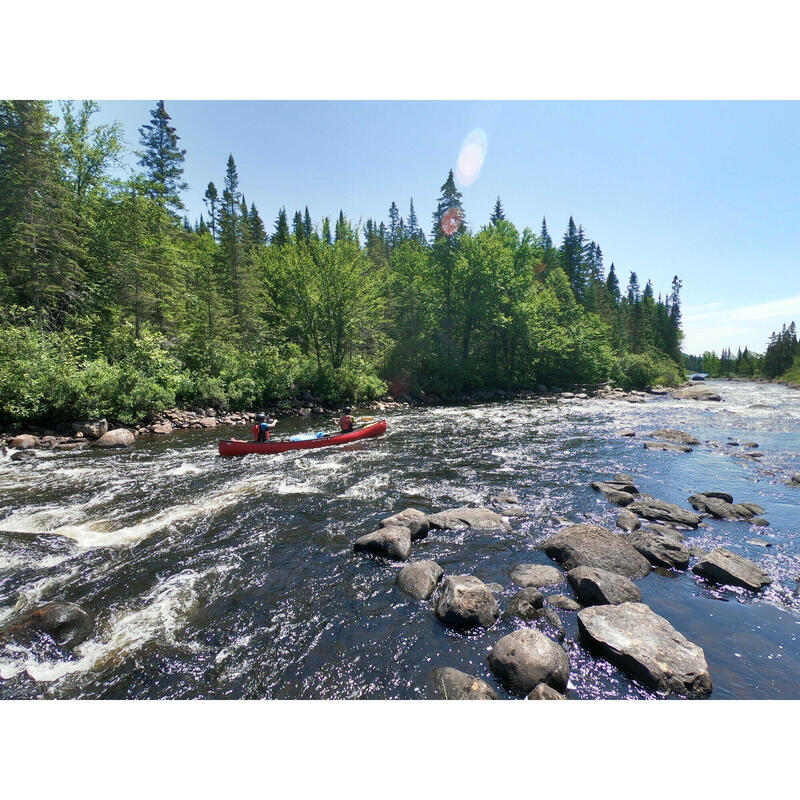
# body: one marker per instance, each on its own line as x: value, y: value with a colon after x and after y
x: 529, y: 547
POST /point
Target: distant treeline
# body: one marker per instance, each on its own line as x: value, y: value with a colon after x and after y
x: 115, y: 304
x: 780, y: 360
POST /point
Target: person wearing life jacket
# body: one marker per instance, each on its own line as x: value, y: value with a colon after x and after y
x: 347, y: 421
x: 261, y: 429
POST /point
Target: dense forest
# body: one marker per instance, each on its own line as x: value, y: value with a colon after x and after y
x: 115, y: 304
x: 780, y: 360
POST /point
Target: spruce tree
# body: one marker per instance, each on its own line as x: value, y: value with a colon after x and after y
x: 162, y: 159
x: 281, y: 235
x: 297, y: 228
x: 497, y: 212
x: 449, y: 203
x: 308, y: 228
x: 326, y: 230
x: 547, y: 242
x: 394, y: 224
x: 412, y: 226
x: 211, y: 199
x: 257, y: 231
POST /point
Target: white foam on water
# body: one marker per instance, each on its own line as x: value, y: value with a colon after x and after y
x: 185, y: 469
x: 368, y: 489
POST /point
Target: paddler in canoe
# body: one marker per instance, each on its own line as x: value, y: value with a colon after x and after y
x: 261, y: 430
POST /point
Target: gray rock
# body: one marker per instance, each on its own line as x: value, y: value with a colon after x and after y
x: 660, y: 510
x: 23, y: 455
x: 525, y: 658
x: 719, y: 495
x: 759, y: 542
x: 605, y: 487
x: 587, y: 545
x: 794, y: 480
x: 665, y: 530
x: 459, y: 518
x: 695, y: 393
x: 419, y: 579
x: 660, y: 549
x: 544, y: 692
x: 625, y: 477
x: 527, y: 606
x: 647, y: 647
x: 452, y: 684
x: 668, y: 447
x: 673, y: 435
x: 749, y: 444
x: 723, y: 566
x: 495, y: 588
x: 393, y: 542
x: 410, y: 518
x: 536, y: 575
x: 627, y: 432
x: 721, y: 509
x: 619, y: 498
x: 755, y: 508
x: 119, y: 437
x: 599, y: 586
x: 524, y: 603
x: 66, y: 623
x: 466, y: 602
x: 759, y: 522
x: 563, y: 602
x: 698, y: 552
x: 628, y: 521
x: 91, y: 430
x: 163, y: 428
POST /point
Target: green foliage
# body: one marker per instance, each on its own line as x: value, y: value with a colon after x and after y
x: 641, y: 370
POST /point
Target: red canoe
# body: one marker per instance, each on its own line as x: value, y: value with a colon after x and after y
x: 235, y: 447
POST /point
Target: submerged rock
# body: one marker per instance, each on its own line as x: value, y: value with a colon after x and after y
x: 393, y: 542
x: 599, y: 586
x: 668, y: 447
x: 466, y: 602
x: 412, y: 519
x: 643, y: 644
x: 794, y: 480
x: 452, y: 684
x: 536, y: 575
x: 119, y: 437
x: 66, y: 623
x: 628, y: 521
x: 673, y: 435
x: 627, y: 432
x: 592, y: 546
x: 508, y: 505
x: 525, y: 658
x: 544, y: 692
x: 660, y: 549
x: 723, y: 566
x: 459, y: 518
x: 23, y: 455
x: 419, y: 579
x: 656, y: 510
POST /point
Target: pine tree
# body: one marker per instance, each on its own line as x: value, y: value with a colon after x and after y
x: 211, y: 199
x: 297, y: 228
x: 257, y: 231
x: 497, y: 212
x: 281, y: 235
x: 162, y: 159
x: 326, y: 230
x: 230, y: 237
x: 448, y: 209
x: 412, y: 226
x: 308, y: 228
x: 547, y: 242
x: 612, y: 284
x: 394, y: 224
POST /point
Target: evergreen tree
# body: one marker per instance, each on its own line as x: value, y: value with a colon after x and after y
x: 211, y: 199
x: 162, y: 159
x: 281, y: 235
x: 297, y: 228
x: 257, y: 230
x: 497, y: 212
x: 326, y: 230
x: 412, y: 226
x: 394, y: 224
x: 448, y: 209
x: 547, y: 242
x: 612, y: 284
x: 308, y: 228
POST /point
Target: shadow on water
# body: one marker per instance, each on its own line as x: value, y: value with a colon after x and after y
x: 235, y: 578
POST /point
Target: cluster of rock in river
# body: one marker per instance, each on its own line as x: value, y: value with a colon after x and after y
x: 599, y: 565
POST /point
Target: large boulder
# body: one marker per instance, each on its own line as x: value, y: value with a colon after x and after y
x: 527, y: 605
x: 66, y: 623
x: 452, y: 684
x: 647, y: 647
x: 585, y: 545
x: 563, y: 602
x: 536, y: 575
x: 660, y: 510
x: 525, y: 658
x: 23, y: 442
x: 91, y: 430
x: 412, y: 519
x: 673, y: 435
x: 721, y: 508
x: 595, y: 586
x: 419, y: 579
x: 208, y: 422
x: 628, y: 521
x: 723, y: 566
x: 466, y: 602
x: 393, y: 542
x: 544, y: 692
x: 695, y: 393
x: 119, y: 437
x: 660, y: 549
x: 615, y: 486
x: 460, y: 518
x: 163, y: 428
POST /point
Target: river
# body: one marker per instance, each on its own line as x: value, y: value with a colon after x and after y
x: 236, y: 578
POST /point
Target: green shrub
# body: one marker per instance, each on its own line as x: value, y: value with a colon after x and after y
x: 640, y: 370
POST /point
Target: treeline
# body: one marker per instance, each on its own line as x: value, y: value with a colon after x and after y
x: 781, y: 359
x: 115, y: 304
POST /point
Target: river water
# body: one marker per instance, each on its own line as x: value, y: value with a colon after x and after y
x: 236, y: 578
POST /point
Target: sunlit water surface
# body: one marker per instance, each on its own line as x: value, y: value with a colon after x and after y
x: 236, y: 578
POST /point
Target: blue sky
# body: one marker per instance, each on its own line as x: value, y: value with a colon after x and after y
x: 704, y: 190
